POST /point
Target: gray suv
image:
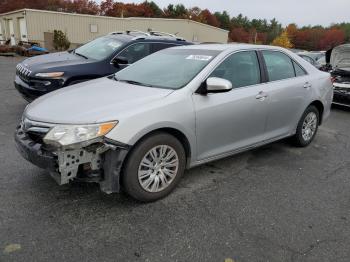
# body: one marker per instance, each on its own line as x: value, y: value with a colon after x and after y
x: 178, y: 108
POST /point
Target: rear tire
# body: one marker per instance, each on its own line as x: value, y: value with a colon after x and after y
x: 154, y: 167
x: 307, y: 127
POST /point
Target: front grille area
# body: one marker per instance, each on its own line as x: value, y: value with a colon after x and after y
x: 23, y: 72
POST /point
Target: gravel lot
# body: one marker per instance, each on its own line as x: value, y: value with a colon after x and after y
x: 276, y: 203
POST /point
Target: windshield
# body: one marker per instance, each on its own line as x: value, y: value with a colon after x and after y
x: 99, y: 48
x: 170, y: 68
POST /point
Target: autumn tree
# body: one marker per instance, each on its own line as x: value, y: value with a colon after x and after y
x: 239, y: 35
x: 292, y: 31
x: 82, y: 7
x: 331, y: 38
x: 282, y: 41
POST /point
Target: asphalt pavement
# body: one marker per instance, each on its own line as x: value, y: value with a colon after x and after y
x: 276, y: 203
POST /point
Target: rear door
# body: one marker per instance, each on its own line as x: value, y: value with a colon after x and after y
x: 288, y: 92
x: 236, y: 119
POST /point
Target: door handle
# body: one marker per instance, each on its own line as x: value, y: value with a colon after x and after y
x: 261, y: 96
x: 307, y: 85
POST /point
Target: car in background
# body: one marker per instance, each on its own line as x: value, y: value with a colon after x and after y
x: 314, y: 58
x: 316, y: 55
x: 339, y: 66
x: 178, y: 108
x: 103, y: 56
x: 309, y: 59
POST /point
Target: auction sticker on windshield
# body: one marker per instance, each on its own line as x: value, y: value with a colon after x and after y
x: 199, y: 57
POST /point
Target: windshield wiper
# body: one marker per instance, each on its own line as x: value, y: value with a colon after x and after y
x: 133, y: 82
x: 81, y: 55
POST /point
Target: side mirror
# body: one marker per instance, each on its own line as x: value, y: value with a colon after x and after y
x: 218, y: 85
x: 120, y: 60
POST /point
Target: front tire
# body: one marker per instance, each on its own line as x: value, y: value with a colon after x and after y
x: 307, y: 127
x: 154, y: 167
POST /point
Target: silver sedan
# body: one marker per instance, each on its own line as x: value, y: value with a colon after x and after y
x: 181, y: 107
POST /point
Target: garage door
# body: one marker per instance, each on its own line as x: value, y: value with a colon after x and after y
x: 23, y: 29
x: 1, y: 34
x: 12, y: 32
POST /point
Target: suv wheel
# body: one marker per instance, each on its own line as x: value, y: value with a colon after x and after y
x: 154, y: 167
x: 307, y: 127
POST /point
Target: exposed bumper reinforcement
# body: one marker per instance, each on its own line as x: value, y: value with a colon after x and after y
x: 104, y: 160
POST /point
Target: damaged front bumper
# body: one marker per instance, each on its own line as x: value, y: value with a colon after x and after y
x: 100, y: 162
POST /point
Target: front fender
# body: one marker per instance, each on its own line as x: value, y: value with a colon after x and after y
x: 173, y: 112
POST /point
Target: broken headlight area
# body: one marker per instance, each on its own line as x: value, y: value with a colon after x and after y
x: 83, y: 160
x: 72, y: 136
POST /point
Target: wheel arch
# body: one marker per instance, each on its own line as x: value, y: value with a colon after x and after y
x: 179, y: 135
x: 320, y: 107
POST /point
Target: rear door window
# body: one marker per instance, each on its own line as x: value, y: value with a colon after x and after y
x: 136, y: 52
x: 279, y: 66
x: 241, y: 69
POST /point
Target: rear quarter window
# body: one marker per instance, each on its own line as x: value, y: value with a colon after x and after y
x: 299, y: 71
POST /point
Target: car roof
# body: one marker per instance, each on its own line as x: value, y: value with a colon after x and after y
x: 129, y: 38
x: 229, y: 47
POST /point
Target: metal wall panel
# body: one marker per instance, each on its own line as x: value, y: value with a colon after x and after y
x: 4, y: 20
x: 78, y: 27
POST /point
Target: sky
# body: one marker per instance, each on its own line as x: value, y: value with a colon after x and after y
x: 301, y: 12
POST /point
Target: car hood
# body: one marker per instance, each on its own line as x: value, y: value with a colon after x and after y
x: 94, y: 101
x: 340, y: 57
x: 48, y: 62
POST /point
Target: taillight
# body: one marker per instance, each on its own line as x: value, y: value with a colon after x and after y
x: 333, y: 78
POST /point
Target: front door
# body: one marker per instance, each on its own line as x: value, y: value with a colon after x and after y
x: 132, y: 54
x: 229, y: 121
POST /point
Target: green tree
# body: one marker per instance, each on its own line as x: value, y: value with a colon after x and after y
x: 154, y: 7
x: 275, y: 30
x: 224, y: 19
x: 60, y: 40
x: 177, y: 11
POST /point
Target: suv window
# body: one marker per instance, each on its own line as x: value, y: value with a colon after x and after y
x: 279, y: 66
x: 299, y: 71
x: 242, y: 69
x: 100, y: 48
x: 159, y: 46
x: 136, y: 52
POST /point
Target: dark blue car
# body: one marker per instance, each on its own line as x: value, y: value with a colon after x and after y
x: 103, y: 56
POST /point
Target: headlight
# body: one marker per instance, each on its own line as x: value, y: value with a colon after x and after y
x: 50, y: 75
x: 64, y: 135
